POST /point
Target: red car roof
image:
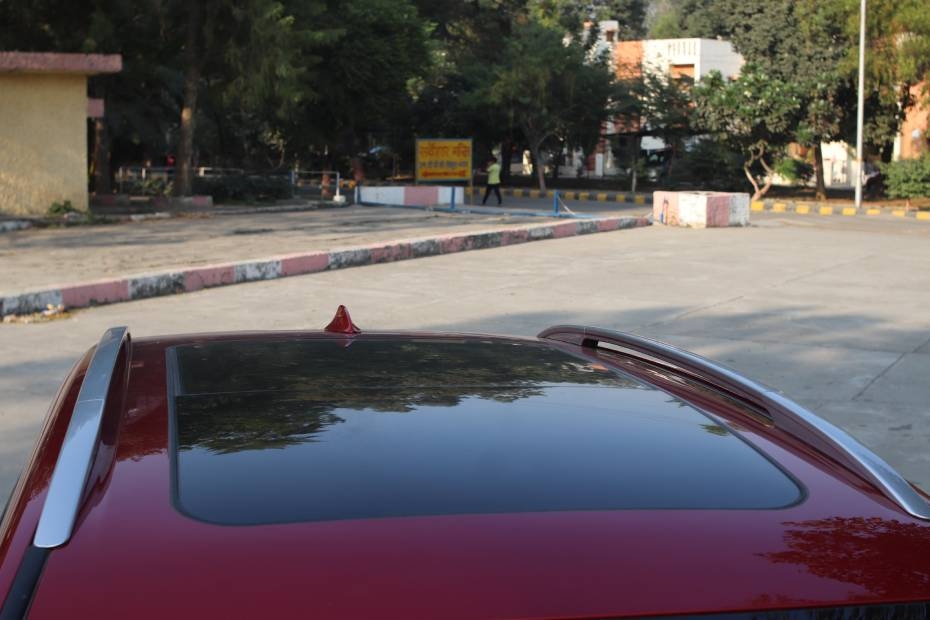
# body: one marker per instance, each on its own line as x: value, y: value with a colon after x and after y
x: 133, y: 554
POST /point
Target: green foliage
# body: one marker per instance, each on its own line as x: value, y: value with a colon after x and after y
x: 244, y: 188
x: 59, y: 209
x: 150, y: 186
x: 908, y: 178
x: 814, y: 45
x: 794, y: 170
x: 631, y: 14
x: 754, y: 113
x: 912, y: 20
x: 654, y: 105
x: 755, y: 107
x: 365, y: 78
x: 711, y: 165
x: 554, y: 91
x: 672, y: 19
x: 666, y: 25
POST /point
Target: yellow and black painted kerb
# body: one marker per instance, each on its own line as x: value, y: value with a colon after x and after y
x: 586, y: 196
x: 806, y: 208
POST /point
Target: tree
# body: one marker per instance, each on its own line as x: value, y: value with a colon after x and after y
x: 252, y: 49
x: 755, y: 113
x: 631, y: 14
x: 912, y: 23
x: 550, y: 86
x: 364, y: 79
x: 809, y: 59
x: 821, y: 59
x: 652, y: 104
x: 672, y: 19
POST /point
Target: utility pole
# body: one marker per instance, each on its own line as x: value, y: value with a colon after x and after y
x: 860, y: 112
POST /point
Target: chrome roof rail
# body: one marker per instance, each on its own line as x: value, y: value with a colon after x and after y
x: 785, y: 414
x: 76, y: 456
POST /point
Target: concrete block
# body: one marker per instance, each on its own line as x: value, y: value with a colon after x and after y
x: 30, y: 302
x: 156, y: 285
x: 258, y: 270
x: 382, y: 195
x: 11, y: 225
x: 701, y: 209
x: 355, y: 257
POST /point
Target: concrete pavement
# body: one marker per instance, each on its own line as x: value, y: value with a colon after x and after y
x: 832, y: 312
x: 186, y: 271
x: 40, y: 257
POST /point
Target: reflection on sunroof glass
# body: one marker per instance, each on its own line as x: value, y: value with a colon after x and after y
x: 311, y: 430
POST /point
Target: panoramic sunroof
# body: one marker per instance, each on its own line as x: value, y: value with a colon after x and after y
x: 312, y: 430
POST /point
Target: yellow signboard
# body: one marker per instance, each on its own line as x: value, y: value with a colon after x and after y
x: 443, y: 160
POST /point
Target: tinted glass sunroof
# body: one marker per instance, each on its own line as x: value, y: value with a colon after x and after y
x: 311, y: 430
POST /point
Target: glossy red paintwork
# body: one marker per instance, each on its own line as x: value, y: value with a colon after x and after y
x: 22, y: 516
x: 133, y: 555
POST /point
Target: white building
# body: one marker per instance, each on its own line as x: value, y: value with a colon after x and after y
x: 693, y: 58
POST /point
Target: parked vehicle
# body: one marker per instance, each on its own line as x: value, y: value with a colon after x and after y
x: 342, y: 474
x: 873, y: 184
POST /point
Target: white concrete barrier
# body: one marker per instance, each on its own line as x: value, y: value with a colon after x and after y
x: 411, y: 195
x: 701, y: 209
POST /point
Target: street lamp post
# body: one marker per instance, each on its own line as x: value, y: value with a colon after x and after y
x: 860, y: 112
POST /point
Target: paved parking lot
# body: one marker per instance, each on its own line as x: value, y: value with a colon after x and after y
x: 38, y: 258
x: 832, y: 311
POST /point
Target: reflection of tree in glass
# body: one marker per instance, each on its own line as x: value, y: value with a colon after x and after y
x: 715, y: 429
x: 253, y: 395
x: 232, y: 422
x: 874, y: 553
x: 321, y: 365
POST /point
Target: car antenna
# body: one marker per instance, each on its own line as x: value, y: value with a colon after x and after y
x: 342, y: 323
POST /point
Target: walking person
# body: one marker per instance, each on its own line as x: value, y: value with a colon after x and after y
x: 494, y: 181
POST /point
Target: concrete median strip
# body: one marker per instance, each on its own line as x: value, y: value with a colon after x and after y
x: 587, y: 196
x: 187, y: 280
x: 803, y: 208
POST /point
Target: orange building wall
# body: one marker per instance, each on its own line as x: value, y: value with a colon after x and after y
x: 916, y: 119
x: 628, y: 56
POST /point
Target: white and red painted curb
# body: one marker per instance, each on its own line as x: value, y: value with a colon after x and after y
x: 129, y: 288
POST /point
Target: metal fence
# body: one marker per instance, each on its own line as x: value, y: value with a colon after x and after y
x: 321, y: 184
x: 238, y: 183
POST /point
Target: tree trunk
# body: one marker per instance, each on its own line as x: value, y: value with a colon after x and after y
x: 669, y: 163
x: 101, y: 157
x: 769, y: 176
x: 887, y: 151
x: 634, y: 162
x: 757, y: 154
x: 506, y: 155
x: 557, y: 163
x: 821, y: 187
x: 538, y: 166
x: 757, y: 194
x: 183, y: 174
